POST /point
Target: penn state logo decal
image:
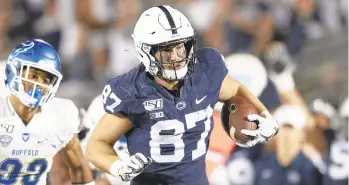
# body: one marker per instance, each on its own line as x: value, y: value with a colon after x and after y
x: 181, y: 105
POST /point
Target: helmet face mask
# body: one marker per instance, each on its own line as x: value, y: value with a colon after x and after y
x: 173, y: 60
x: 26, y: 66
x: 166, y: 49
x: 172, y: 56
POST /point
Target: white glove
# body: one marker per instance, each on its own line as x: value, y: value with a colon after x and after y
x: 267, y: 128
x: 128, y: 169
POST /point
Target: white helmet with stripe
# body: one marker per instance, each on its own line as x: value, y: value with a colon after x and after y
x: 163, y: 26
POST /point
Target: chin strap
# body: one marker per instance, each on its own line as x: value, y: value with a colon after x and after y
x: 32, y: 98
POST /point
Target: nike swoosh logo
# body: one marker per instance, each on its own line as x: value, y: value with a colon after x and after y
x: 47, y: 142
x: 200, y: 100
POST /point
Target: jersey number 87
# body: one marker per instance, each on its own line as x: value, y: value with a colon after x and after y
x: 191, y: 120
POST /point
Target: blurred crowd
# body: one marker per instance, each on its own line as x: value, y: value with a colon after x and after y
x: 94, y: 39
x: 293, y: 54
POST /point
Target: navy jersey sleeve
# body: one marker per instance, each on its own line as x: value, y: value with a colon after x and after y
x: 213, y: 64
x: 117, y: 95
x: 270, y: 96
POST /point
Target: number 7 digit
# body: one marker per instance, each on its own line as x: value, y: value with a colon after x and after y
x: 191, y: 120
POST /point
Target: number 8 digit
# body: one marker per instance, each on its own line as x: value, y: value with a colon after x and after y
x: 115, y: 101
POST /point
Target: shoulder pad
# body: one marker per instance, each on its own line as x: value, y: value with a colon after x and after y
x: 118, y: 92
x: 65, y: 111
x: 67, y: 116
x: 213, y: 65
x: 5, y: 108
x: 210, y: 56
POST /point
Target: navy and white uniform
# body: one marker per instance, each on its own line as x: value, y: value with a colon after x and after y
x: 300, y: 171
x: 172, y: 130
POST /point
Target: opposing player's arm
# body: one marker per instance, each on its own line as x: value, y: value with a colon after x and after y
x: 59, y: 172
x: 100, y: 145
x: 231, y: 87
x: 79, y: 170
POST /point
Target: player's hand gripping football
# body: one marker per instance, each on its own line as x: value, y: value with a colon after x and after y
x: 127, y: 169
x: 267, y: 128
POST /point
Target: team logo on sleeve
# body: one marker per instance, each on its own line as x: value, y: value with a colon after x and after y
x: 5, y: 140
x: 151, y: 105
x: 7, y: 128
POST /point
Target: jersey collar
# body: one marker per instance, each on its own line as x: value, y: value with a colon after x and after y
x: 9, y: 104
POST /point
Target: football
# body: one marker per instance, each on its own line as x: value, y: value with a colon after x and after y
x: 234, y: 118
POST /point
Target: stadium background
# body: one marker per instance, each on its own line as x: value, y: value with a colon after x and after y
x: 93, y: 39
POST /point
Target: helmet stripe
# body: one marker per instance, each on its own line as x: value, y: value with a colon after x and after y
x: 170, y: 19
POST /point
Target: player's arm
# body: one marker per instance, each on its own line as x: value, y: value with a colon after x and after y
x: 59, y: 172
x: 109, y: 129
x: 267, y: 126
x: 101, y: 153
x: 79, y: 170
x: 231, y: 87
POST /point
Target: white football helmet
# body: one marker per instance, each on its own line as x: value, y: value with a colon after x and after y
x: 344, y: 109
x: 344, y: 114
x: 160, y: 27
x: 254, y: 78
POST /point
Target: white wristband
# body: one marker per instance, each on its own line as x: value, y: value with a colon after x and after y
x: 114, y: 168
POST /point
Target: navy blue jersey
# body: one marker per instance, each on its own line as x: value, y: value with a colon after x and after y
x: 173, y: 131
x: 254, y: 153
x: 330, y: 136
x: 337, y: 164
x: 300, y: 172
x: 240, y: 168
x: 270, y: 96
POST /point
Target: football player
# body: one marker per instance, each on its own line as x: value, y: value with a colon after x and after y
x: 289, y: 163
x: 337, y: 158
x: 164, y: 106
x: 94, y: 113
x: 34, y: 125
x: 238, y: 170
